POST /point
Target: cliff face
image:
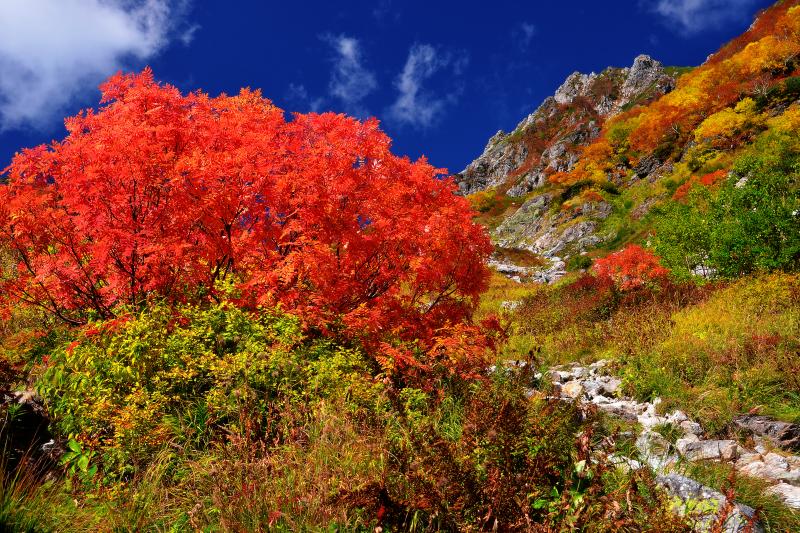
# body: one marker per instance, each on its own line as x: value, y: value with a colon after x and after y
x: 549, y: 139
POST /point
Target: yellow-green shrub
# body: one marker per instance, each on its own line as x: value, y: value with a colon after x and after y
x: 128, y: 387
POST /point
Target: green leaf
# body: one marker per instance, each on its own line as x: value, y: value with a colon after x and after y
x: 68, y: 457
x: 83, y: 462
x: 539, y: 504
x: 75, y: 446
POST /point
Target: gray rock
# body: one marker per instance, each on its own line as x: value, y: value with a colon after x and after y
x: 649, y: 418
x: 602, y: 386
x: 762, y: 470
x: 747, y: 459
x: 781, y: 434
x: 627, y: 409
x: 606, y: 93
x: 645, y: 75
x: 575, y: 85
x: 718, y: 450
x: 655, y: 450
x: 777, y: 461
x: 691, y: 427
x: 682, y: 443
x: 677, y: 417
x: 510, y: 305
x: 624, y: 463
x: 704, y: 504
x: 772, y: 467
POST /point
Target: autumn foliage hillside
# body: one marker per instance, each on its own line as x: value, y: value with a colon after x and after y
x: 216, y: 318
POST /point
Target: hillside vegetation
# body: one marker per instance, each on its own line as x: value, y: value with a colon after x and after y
x: 217, y: 319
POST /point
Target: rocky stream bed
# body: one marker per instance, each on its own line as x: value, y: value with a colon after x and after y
x: 769, y: 458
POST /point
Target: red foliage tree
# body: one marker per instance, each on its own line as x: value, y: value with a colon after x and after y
x: 631, y: 268
x: 160, y: 194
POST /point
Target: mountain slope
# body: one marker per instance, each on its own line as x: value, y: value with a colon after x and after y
x: 549, y: 139
x: 592, y: 168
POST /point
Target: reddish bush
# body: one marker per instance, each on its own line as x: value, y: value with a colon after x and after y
x: 632, y: 268
x: 709, y: 180
x: 160, y: 194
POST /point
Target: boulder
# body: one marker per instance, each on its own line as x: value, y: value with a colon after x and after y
x: 572, y: 389
x: 790, y: 494
x: 772, y: 467
x: 762, y: 470
x: 781, y: 434
x: 682, y: 443
x: 602, y: 386
x: 747, y: 459
x: 655, y: 450
x: 690, y: 427
x: 704, y: 504
x: 716, y: 450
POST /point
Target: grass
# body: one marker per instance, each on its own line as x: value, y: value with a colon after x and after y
x: 773, y: 514
x: 713, y: 351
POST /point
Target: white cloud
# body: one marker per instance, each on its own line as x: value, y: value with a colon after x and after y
x: 51, y: 51
x: 297, y: 96
x: 187, y: 36
x: 416, y: 106
x: 524, y: 34
x: 692, y: 16
x: 350, y: 82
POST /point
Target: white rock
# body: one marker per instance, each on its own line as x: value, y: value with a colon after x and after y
x: 572, y: 389
x: 677, y: 417
x: 599, y: 364
x: 602, y: 385
x: 649, y: 419
x: 655, y: 450
x: 788, y: 493
x: 600, y: 399
x: 776, y: 461
x: 762, y: 470
x: 626, y: 409
x: 760, y: 446
x: 682, y: 443
x: 580, y: 372
x: 510, y: 305
x: 625, y: 463
x: 746, y: 459
x: 711, y: 450
x: 692, y: 428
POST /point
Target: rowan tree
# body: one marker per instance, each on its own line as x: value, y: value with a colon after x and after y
x: 163, y: 195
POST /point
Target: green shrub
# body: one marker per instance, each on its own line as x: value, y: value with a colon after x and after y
x: 579, y: 262
x: 751, y: 224
x: 130, y: 386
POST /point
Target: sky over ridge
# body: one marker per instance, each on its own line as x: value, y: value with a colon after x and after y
x: 442, y: 76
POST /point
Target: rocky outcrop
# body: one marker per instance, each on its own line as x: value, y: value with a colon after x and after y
x: 499, y: 159
x: 549, y: 139
x: 705, y: 504
x: 541, y: 227
x: 706, y: 508
x: 594, y: 385
x: 781, y: 434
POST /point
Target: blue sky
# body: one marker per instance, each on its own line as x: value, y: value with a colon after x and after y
x: 442, y: 76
